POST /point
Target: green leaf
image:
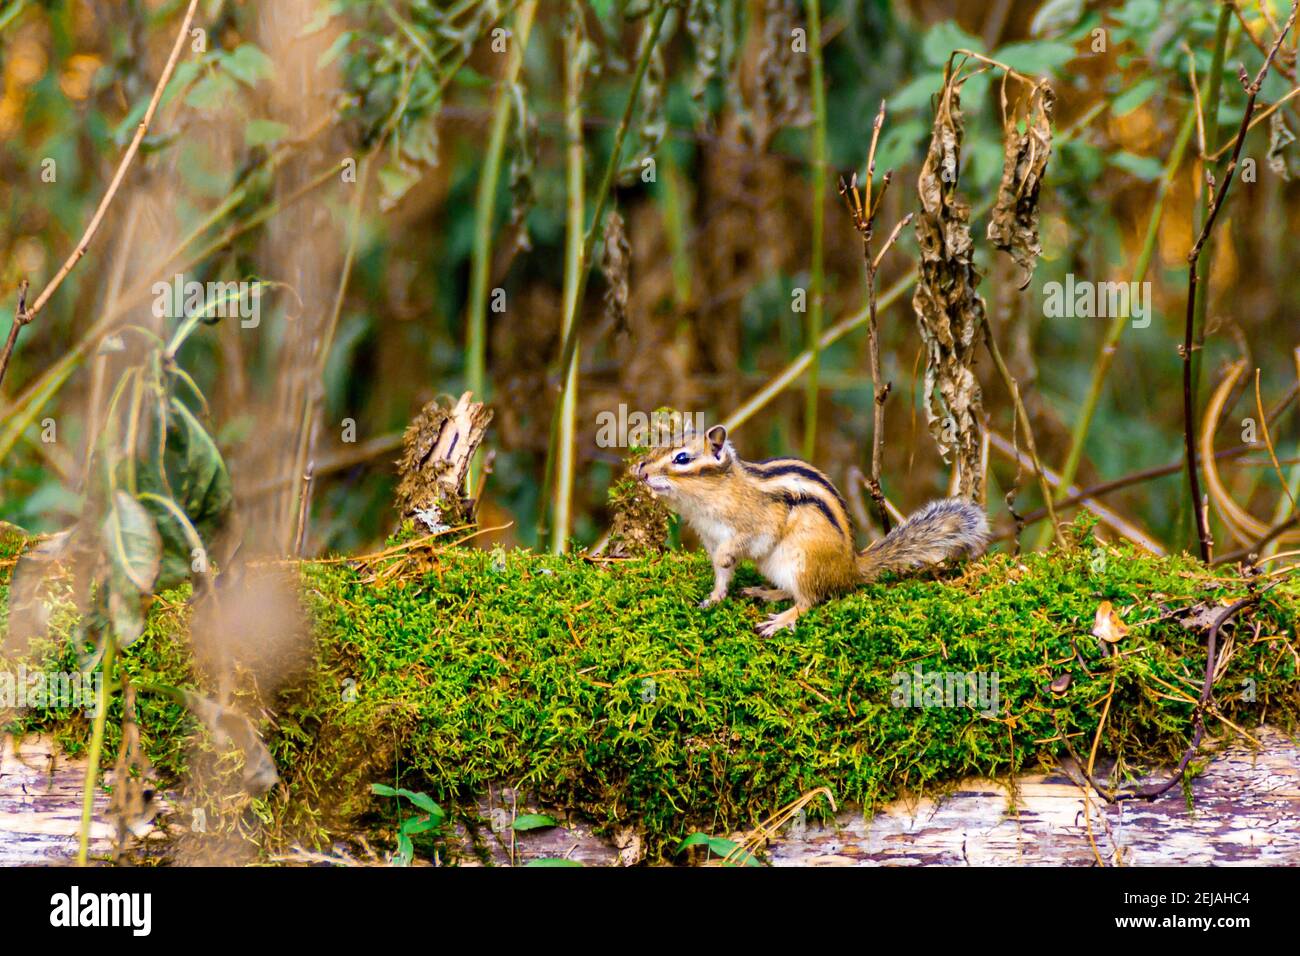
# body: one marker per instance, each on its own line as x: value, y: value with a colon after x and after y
x: 132, y: 542
x: 405, y: 850
x: 918, y: 92
x: 395, y: 179
x: 1036, y: 57
x: 335, y: 50
x: 248, y: 64
x: 125, y: 609
x: 213, y: 91
x: 421, y: 800
x: 943, y: 38
x: 1055, y: 17
x: 533, y: 821
x: 1134, y: 96
x: 719, y: 846
x: 414, y: 825
x: 200, y: 480
x: 262, y: 132
x: 470, y: 77
x: 324, y: 14
x: 552, y: 861
x: 1143, y: 167
x: 185, y: 474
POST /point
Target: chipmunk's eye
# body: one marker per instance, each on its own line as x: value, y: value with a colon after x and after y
x: 682, y: 458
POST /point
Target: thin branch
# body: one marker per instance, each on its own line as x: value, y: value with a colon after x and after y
x: 1259, y: 118
x: 1108, y: 517
x: 122, y: 167
x: 1287, y: 71
x: 817, y: 291
x: 1014, y: 388
x: 1203, y: 704
x: 573, y: 328
x: 1086, y: 495
x: 862, y: 210
x: 1252, y: 88
x: 1268, y: 441
x: 1110, y: 344
x: 21, y: 318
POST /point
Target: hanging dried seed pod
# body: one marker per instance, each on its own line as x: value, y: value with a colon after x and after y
x: 1013, y: 224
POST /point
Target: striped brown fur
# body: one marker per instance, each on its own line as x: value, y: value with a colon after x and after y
x: 791, y: 521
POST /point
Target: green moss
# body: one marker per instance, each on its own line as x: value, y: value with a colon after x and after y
x: 536, y: 672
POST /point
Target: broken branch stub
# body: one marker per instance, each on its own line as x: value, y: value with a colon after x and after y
x: 949, y: 312
x: 436, y: 453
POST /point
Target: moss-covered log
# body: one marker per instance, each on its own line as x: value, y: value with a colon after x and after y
x: 601, y: 689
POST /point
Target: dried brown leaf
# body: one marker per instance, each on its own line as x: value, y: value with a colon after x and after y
x: 949, y: 311
x: 615, y: 264
x: 1107, y: 626
x: 1013, y: 224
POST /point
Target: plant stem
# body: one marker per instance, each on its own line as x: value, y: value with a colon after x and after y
x: 1101, y: 368
x: 569, y: 349
x: 573, y: 265
x: 1194, y: 286
x: 1214, y: 87
x: 817, y: 292
x: 1213, y: 133
x: 476, y: 347
x: 1014, y: 389
x: 96, y: 748
x: 11, y: 12
x: 308, y: 425
x: 485, y: 204
x: 21, y: 318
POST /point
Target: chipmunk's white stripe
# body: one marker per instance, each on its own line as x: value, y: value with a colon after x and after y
x: 798, y: 483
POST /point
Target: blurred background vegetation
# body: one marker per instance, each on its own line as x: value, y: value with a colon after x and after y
x: 385, y: 169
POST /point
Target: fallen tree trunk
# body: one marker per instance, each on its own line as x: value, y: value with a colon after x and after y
x: 603, y: 692
x: 1245, y: 809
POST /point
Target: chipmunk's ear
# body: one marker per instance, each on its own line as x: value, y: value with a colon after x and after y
x: 717, y: 439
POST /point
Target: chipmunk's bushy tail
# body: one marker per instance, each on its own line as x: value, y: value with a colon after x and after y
x: 941, y: 531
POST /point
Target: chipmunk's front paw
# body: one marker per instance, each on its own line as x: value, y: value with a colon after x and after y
x: 776, y: 622
x: 711, y: 600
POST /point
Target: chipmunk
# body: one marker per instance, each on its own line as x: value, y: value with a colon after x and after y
x: 789, y: 519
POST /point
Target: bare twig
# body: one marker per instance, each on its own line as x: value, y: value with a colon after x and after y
x: 1202, y: 705
x: 1266, y: 538
x: 304, y: 503
x: 1108, y: 517
x: 1252, y: 88
x: 21, y: 318
x: 1287, y: 71
x: 1013, y: 388
x: 862, y: 209
x: 122, y: 166
x: 572, y: 326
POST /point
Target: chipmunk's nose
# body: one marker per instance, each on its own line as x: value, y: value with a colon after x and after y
x: 638, y: 470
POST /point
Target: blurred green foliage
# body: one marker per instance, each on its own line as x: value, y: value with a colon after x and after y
x: 414, y: 81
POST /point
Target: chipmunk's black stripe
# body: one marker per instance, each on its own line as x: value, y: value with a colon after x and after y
x: 775, y: 467
x: 707, y: 465
x: 793, y: 500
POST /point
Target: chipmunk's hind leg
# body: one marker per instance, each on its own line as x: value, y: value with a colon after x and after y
x: 767, y: 595
x: 775, y: 622
x: 787, y: 618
